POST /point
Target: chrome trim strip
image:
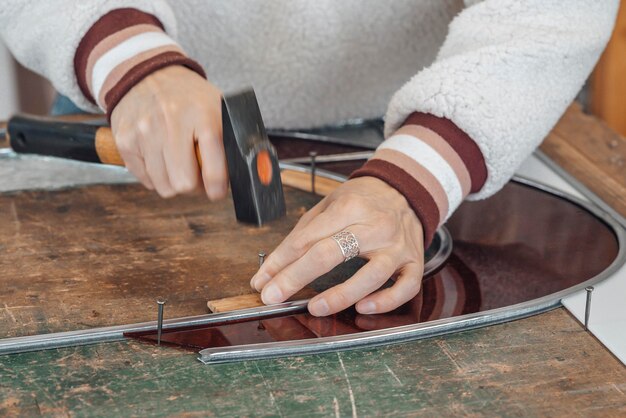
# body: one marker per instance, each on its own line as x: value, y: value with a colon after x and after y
x: 576, y: 184
x: 432, y: 328
x: 332, y: 158
x: 116, y: 333
x: 364, y: 339
x: 370, y: 339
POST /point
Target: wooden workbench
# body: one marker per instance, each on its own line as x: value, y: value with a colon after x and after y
x: 546, y: 365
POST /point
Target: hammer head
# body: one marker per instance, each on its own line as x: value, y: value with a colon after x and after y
x: 252, y: 162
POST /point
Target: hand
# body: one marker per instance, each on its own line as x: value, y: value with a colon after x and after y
x: 156, y: 126
x: 390, y: 236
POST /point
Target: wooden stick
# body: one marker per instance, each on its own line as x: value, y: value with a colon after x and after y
x: 252, y: 300
x: 302, y: 181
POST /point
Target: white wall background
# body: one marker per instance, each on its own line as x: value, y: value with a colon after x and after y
x: 8, y: 85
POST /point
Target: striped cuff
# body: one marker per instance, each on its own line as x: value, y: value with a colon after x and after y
x: 121, y: 49
x: 433, y: 163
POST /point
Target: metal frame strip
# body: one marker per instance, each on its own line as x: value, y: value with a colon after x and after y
x: 360, y: 340
x: 431, y: 328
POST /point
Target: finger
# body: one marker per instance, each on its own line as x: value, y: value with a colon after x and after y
x: 296, y: 244
x: 214, y: 171
x: 311, y: 214
x: 137, y: 166
x: 406, y: 287
x: 155, y: 167
x: 320, y: 259
x: 181, y: 162
x: 410, y: 314
x: 369, y: 278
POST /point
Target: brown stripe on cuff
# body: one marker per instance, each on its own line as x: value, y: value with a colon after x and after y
x: 112, y: 22
x: 142, y: 70
x: 418, y: 197
x: 120, y: 71
x: 464, y: 146
x: 417, y: 171
x: 441, y: 146
x: 111, y: 42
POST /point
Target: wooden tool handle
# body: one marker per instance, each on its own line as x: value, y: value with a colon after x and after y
x: 302, y: 181
x: 106, y: 148
x: 93, y: 143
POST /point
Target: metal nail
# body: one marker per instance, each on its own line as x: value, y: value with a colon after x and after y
x: 589, y: 290
x: 332, y: 158
x: 313, y: 155
x: 261, y: 258
x: 160, y: 304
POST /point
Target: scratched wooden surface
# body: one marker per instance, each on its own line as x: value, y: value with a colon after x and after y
x: 592, y: 153
x: 101, y: 255
x: 542, y: 366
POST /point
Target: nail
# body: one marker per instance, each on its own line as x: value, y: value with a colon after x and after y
x: 259, y: 280
x: 319, y: 307
x: 589, y: 290
x: 216, y: 192
x: 272, y: 294
x: 367, y: 307
x: 261, y: 258
x: 160, y: 304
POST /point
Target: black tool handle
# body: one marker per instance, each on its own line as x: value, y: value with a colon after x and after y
x: 43, y: 136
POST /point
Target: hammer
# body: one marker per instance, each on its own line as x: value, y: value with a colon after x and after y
x: 252, y: 162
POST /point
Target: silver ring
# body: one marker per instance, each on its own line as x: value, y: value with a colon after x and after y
x: 348, y: 244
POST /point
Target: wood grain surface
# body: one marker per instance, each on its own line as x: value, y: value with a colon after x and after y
x: 544, y: 366
x: 101, y: 255
x: 608, y: 89
x: 541, y: 366
x: 592, y: 153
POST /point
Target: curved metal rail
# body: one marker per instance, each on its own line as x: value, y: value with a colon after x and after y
x: 431, y: 328
x: 320, y: 345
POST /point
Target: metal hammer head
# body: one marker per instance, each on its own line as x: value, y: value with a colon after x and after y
x: 252, y: 162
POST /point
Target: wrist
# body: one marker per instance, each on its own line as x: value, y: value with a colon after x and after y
x: 120, y: 50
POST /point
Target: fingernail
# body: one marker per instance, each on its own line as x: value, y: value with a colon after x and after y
x: 272, y: 294
x: 367, y: 307
x: 258, y: 280
x: 216, y: 192
x: 319, y: 307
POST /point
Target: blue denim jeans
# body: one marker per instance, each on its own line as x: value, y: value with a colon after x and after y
x: 64, y: 106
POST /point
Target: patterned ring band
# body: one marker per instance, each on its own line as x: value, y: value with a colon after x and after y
x: 348, y: 244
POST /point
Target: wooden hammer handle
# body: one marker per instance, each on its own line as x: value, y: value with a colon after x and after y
x: 93, y: 143
x: 76, y: 141
x: 106, y: 147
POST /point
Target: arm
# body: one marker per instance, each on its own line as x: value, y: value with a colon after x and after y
x: 504, y: 76
x: 120, y: 56
x: 45, y: 35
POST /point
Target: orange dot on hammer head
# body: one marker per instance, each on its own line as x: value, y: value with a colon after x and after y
x: 264, y: 167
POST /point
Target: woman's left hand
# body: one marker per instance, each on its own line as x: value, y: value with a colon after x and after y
x: 389, y: 235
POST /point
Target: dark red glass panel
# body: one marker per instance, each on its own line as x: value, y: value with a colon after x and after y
x: 519, y: 245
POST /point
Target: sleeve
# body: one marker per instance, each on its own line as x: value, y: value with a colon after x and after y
x: 505, y: 74
x: 95, y: 51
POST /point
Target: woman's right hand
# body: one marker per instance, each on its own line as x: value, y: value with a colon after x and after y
x: 156, y: 126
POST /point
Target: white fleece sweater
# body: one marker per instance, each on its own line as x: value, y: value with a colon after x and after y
x: 484, y: 80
